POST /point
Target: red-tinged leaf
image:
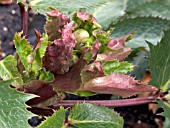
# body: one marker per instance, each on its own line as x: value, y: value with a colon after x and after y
x: 38, y: 39
x: 55, y: 23
x: 108, y: 55
x: 95, y: 49
x: 85, y: 16
x: 40, y: 88
x: 58, y: 57
x: 116, y: 49
x: 91, y: 71
x: 119, y: 43
x: 71, y: 80
x: 67, y: 82
x: 117, y: 84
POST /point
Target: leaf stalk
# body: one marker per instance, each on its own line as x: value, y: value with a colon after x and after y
x: 110, y: 103
x: 24, y: 19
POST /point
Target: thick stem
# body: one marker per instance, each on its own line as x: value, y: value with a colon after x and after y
x: 24, y: 19
x: 109, y: 103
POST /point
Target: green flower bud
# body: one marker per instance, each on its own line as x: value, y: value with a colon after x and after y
x: 81, y: 36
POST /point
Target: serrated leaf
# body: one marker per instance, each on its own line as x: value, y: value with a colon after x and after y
x: 89, y: 115
x: 116, y: 67
x: 13, y: 113
x: 160, y: 62
x: 57, y: 120
x: 8, y: 71
x: 145, y: 28
x: 154, y: 8
x: 104, y: 14
x: 23, y: 49
x: 42, y: 6
x: 117, y: 84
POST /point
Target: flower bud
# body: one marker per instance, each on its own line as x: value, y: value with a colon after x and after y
x: 81, y: 36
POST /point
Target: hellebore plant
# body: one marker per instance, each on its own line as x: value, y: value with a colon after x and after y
x: 78, y: 57
x: 75, y: 57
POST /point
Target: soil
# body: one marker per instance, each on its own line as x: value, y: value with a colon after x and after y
x: 134, y: 116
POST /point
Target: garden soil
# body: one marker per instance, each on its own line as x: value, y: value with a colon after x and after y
x: 139, y: 116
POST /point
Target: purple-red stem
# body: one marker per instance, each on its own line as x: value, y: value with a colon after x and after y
x: 24, y: 19
x: 109, y: 103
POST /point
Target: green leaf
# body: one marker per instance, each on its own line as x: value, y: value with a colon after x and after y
x: 23, y: 49
x: 166, y: 123
x: 136, y: 3
x: 39, y: 52
x: 154, y: 8
x: 8, y: 71
x: 84, y: 93
x: 160, y: 63
x: 46, y: 76
x: 57, y: 120
x: 13, y: 113
x: 104, y: 14
x: 140, y: 65
x: 117, y: 67
x: 88, y: 56
x: 42, y: 6
x: 145, y: 28
x: 89, y: 116
x: 166, y: 108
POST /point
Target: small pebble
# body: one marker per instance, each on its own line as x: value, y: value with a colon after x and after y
x: 139, y: 122
x: 5, y: 29
x: 2, y: 54
x: 31, y: 19
x: 13, y: 11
